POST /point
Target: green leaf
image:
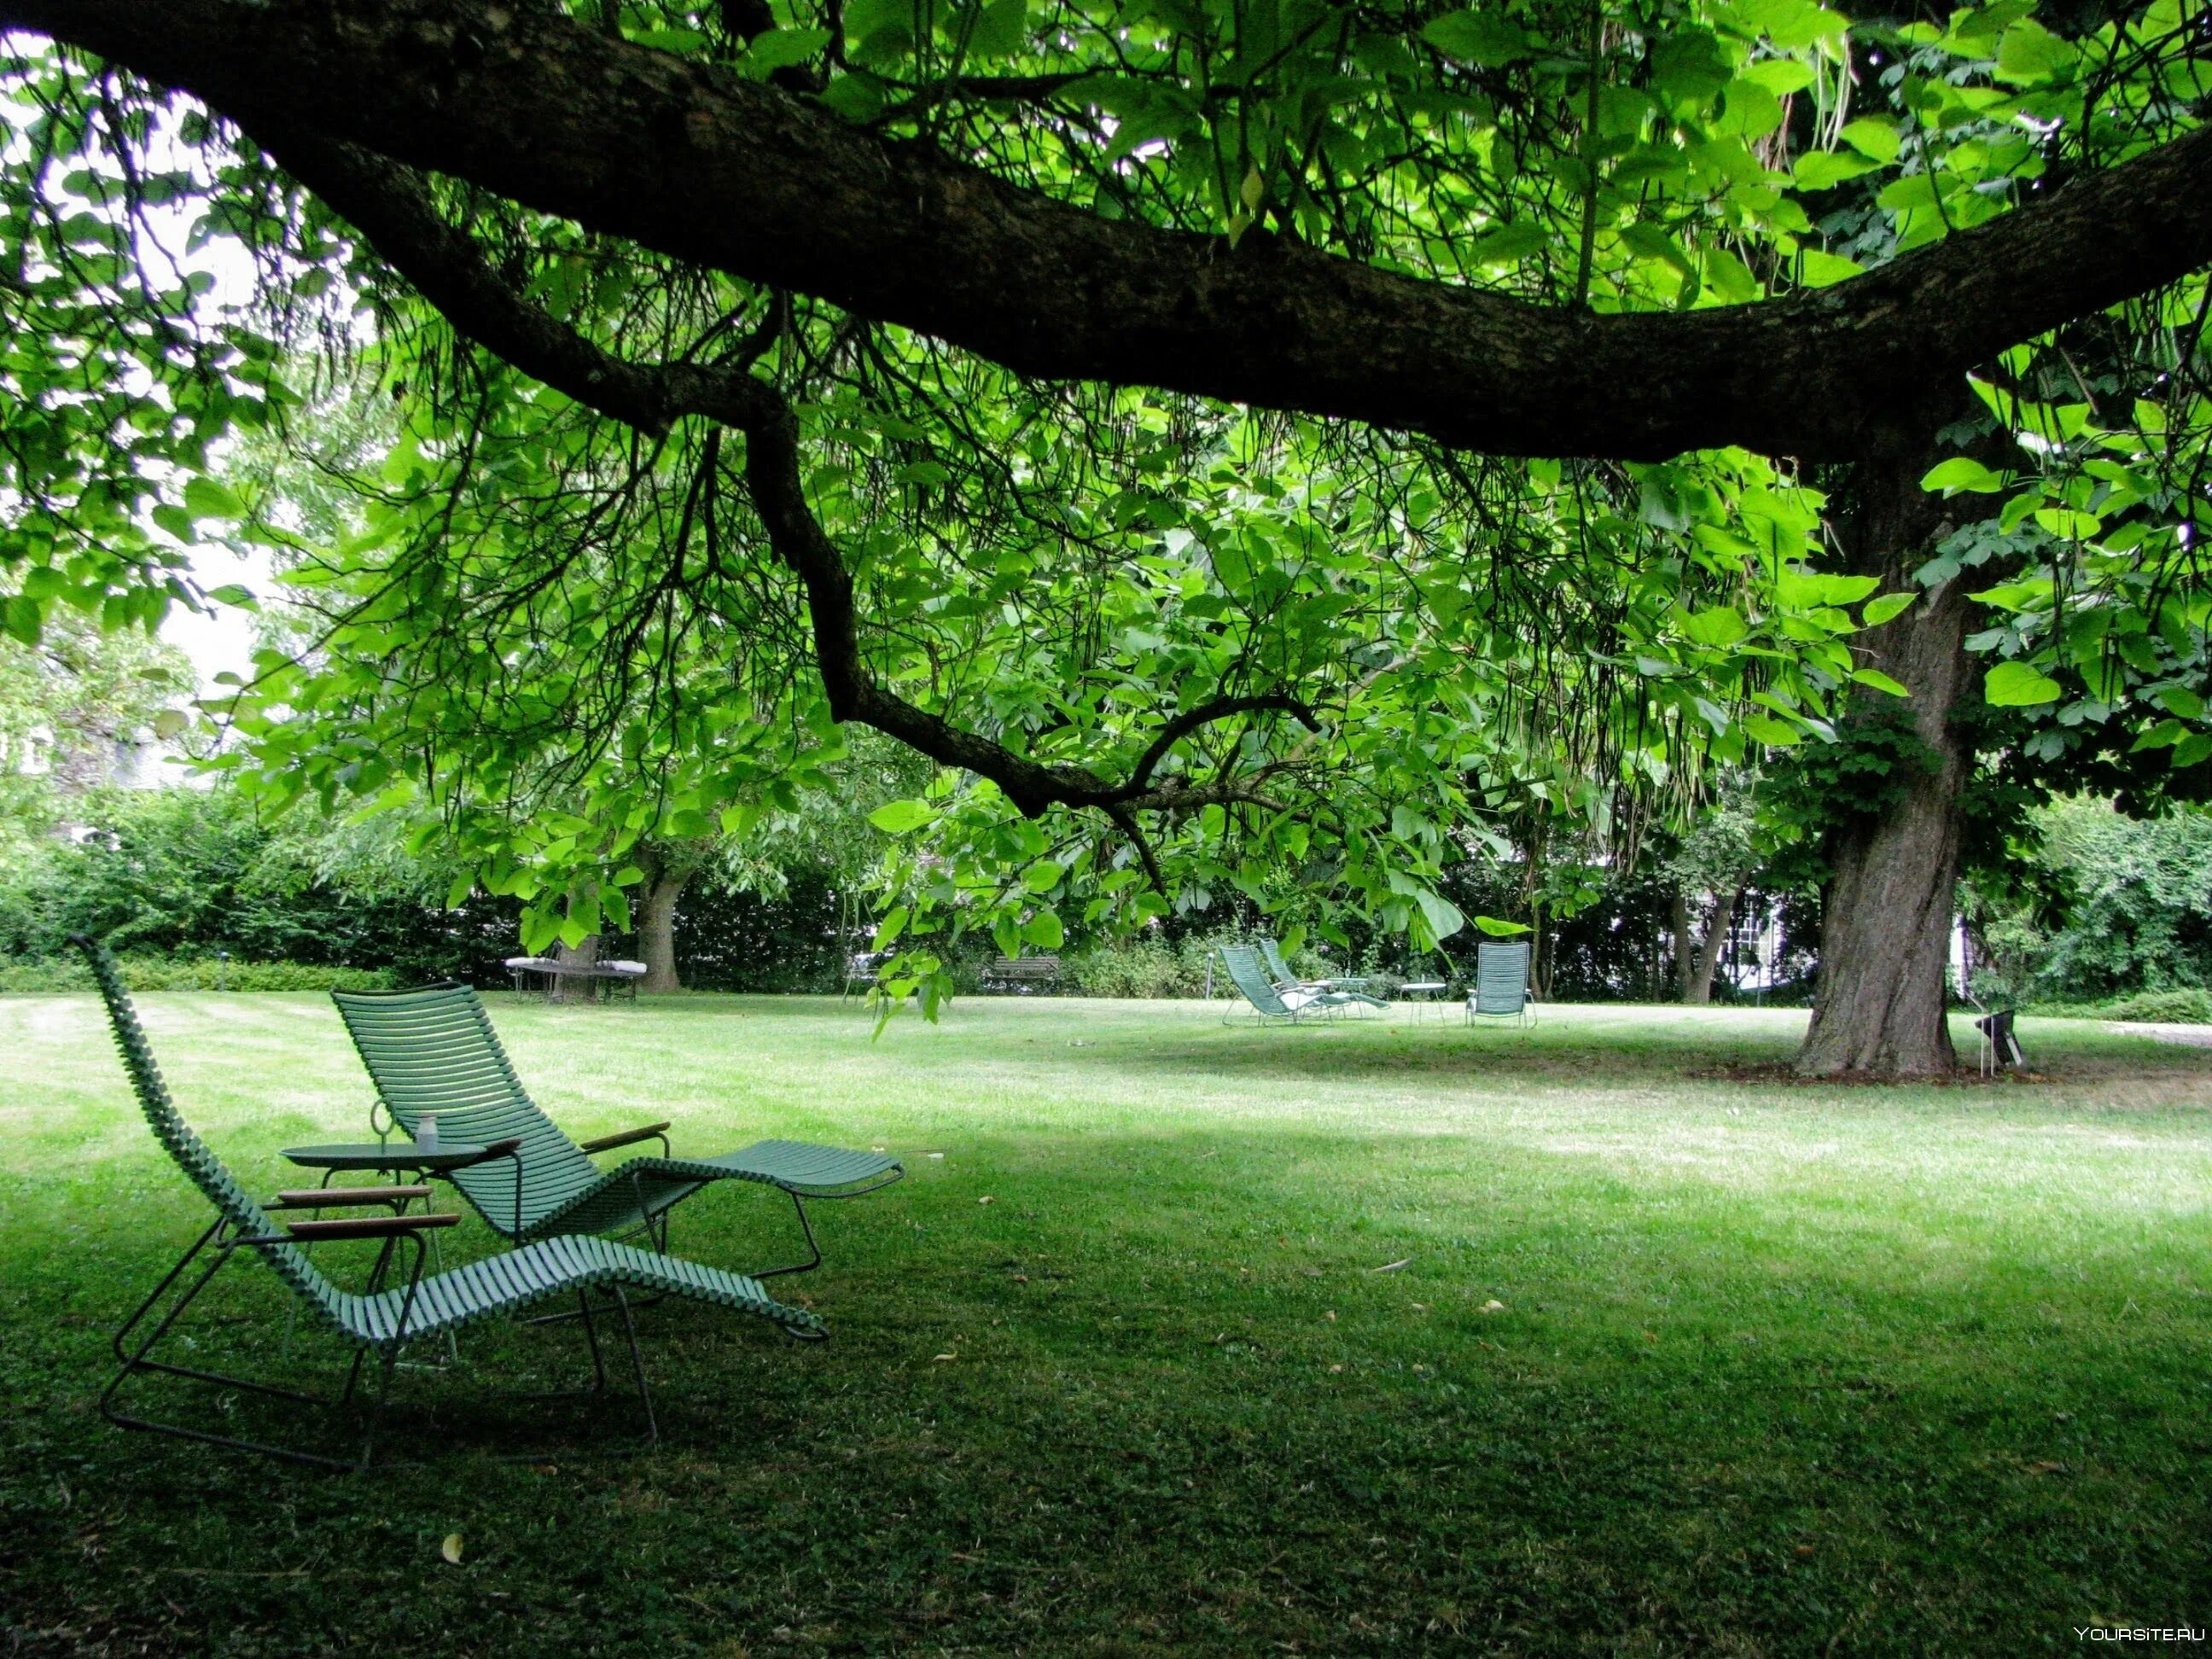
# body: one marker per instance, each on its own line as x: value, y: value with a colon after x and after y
x: 1963, y: 472
x: 1690, y: 64
x: 1479, y: 37
x: 888, y: 931
x: 780, y: 49
x: 1880, y: 682
x: 2030, y: 54
x: 1443, y: 917
x: 1717, y: 625
x: 1496, y: 929
x: 1509, y: 244
x: 1043, y: 930
x: 2016, y: 685
x: 1042, y: 877
x: 1873, y: 137
x: 21, y: 617
x: 206, y: 499
x: 2192, y: 749
x: 1001, y: 30
x: 2180, y: 700
x: 1774, y: 733
x: 1880, y: 610
x: 898, y: 818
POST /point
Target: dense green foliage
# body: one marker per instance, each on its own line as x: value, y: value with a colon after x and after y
x: 560, y: 637
x: 2112, y: 906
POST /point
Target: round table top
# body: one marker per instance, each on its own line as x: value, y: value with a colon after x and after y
x: 1425, y: 985
x: 387, y: 1155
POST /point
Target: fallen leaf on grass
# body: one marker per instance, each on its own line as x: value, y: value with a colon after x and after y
x: 987, y: 1200
x: 1493, y: 1306
x: 948, y: 1356
x: 1392, y: 1267
x: 451, y: 1549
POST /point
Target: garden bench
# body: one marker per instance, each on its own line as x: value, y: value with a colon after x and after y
x: 1022, y: 974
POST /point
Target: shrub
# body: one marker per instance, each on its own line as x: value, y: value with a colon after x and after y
x: 1140, y: 968
x: 51, y: 974
x: 2187, y: 1005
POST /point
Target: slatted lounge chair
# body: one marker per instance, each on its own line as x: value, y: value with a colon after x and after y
x: 1288, y: 1004
x: 433, y: 1050
x: 1501, y: 984
x: 380, y: 1324
x: 1280, y: 971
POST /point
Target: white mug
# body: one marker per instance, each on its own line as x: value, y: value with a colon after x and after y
x: 426, y: 1133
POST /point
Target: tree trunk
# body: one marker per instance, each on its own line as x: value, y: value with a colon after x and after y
x: 583, y: 956
x: 656, y: 935
x: 1680, y: 916
x: 1885, y: 930
x: 1698, y: 977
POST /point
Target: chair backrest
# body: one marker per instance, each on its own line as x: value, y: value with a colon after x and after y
x: 1271, y: 953
x: 432, y: 1049
x: 1243, y: 965
x: 192, y: 1154
x: 1501, y: 978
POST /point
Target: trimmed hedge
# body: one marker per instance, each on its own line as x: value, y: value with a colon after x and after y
x: 52, y: 973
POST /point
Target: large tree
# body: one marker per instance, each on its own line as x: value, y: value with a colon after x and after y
x: 906, y: 255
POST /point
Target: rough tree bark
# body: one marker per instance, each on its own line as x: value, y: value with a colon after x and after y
x: 585, y: 954
x: 667, y: 876
x: 1886, y: 925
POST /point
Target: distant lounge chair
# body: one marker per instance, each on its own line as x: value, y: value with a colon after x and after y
x: 1280, y: 971
x: 384, y: 1322
x: 1501, y: 985
x: 433, y: 1050
x: 1286, y: 1004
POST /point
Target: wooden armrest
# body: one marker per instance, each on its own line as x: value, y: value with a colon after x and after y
x: 628, y: 1137
x: 368, y: 1226
x: 343, y: 1198
x: 505, y: 1148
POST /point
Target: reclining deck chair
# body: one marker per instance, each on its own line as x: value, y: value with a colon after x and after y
x: 1501, y: 984
x: 433, y: 1050
x: 1287, y: 1004
x: 384, y: 1322
x: 1280, y: 971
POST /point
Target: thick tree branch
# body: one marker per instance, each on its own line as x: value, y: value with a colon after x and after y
x: 707, y: 167
x: 1220, y: 708
x: 392, y: 207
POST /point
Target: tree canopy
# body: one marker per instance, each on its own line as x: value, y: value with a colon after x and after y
x: 1254, y: 445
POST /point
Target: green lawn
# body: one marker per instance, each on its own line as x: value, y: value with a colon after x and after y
x: 1683, y: 1356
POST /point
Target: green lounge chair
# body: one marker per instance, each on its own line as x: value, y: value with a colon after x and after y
x: 383, y: 1322
x: 1280, y: 971
x: 1285, y: 1004
x: 1501, y: 985
x: 433, y: 1050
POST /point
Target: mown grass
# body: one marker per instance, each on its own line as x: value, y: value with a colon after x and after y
x: 1773, y: 1370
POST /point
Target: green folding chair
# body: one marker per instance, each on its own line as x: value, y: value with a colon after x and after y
x: 433, y: 1050
x: 1271, y: 951
x: 1272, y: 1004
x: 1501, y: 985
x: 382, y: 1322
